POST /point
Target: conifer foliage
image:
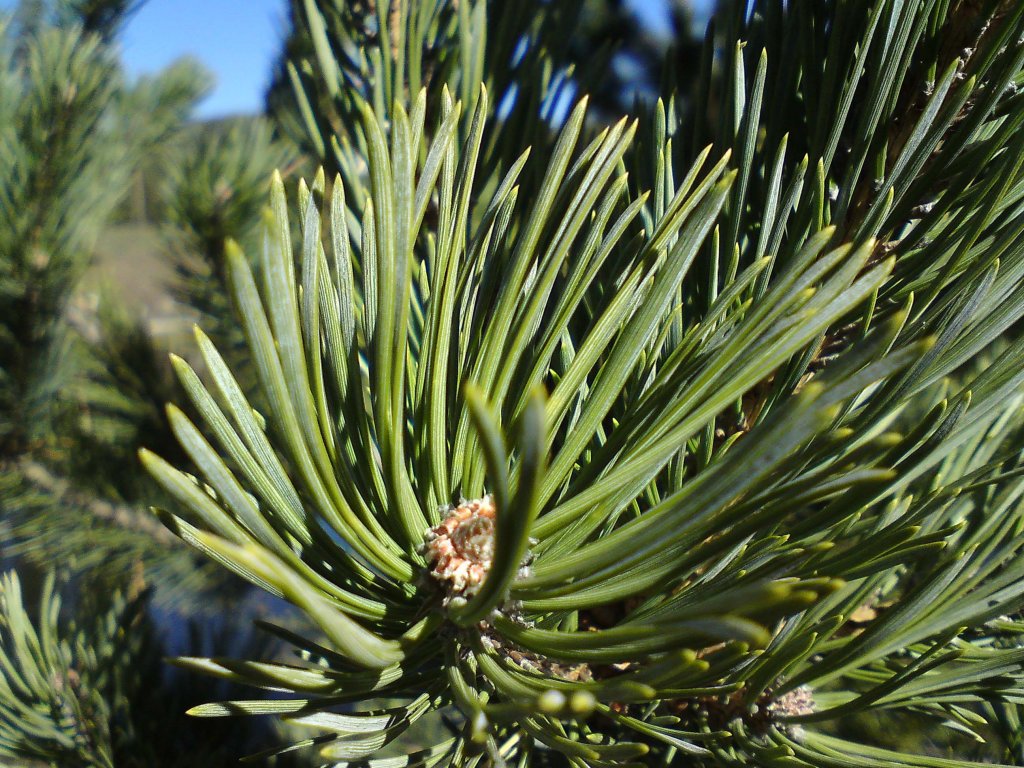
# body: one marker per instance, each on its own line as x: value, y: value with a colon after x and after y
x: 72, y: 134
x: 679, y: 440
x: 58, y: 86
x: 690, y: 438
x: 82, y: 682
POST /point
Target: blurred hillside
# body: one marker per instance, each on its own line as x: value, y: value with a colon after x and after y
x: 135, y: 264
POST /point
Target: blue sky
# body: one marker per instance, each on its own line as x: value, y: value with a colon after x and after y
x: 236, y: 40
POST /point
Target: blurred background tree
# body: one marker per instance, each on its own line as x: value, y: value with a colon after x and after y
x: 100, y: 180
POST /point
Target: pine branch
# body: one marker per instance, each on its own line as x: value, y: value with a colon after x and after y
x: 125, y: 516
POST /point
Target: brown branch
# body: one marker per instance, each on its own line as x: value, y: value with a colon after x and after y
x: 121, y: 515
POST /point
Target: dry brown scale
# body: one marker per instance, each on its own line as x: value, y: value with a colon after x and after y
x: 460, y: 552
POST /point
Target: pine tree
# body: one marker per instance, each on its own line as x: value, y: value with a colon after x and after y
x: 58, y: 85
x: 679, y: 440
x: 81, y: 678
x: 691, y: 438
x: 73, y: 134
x: 217, y: 193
